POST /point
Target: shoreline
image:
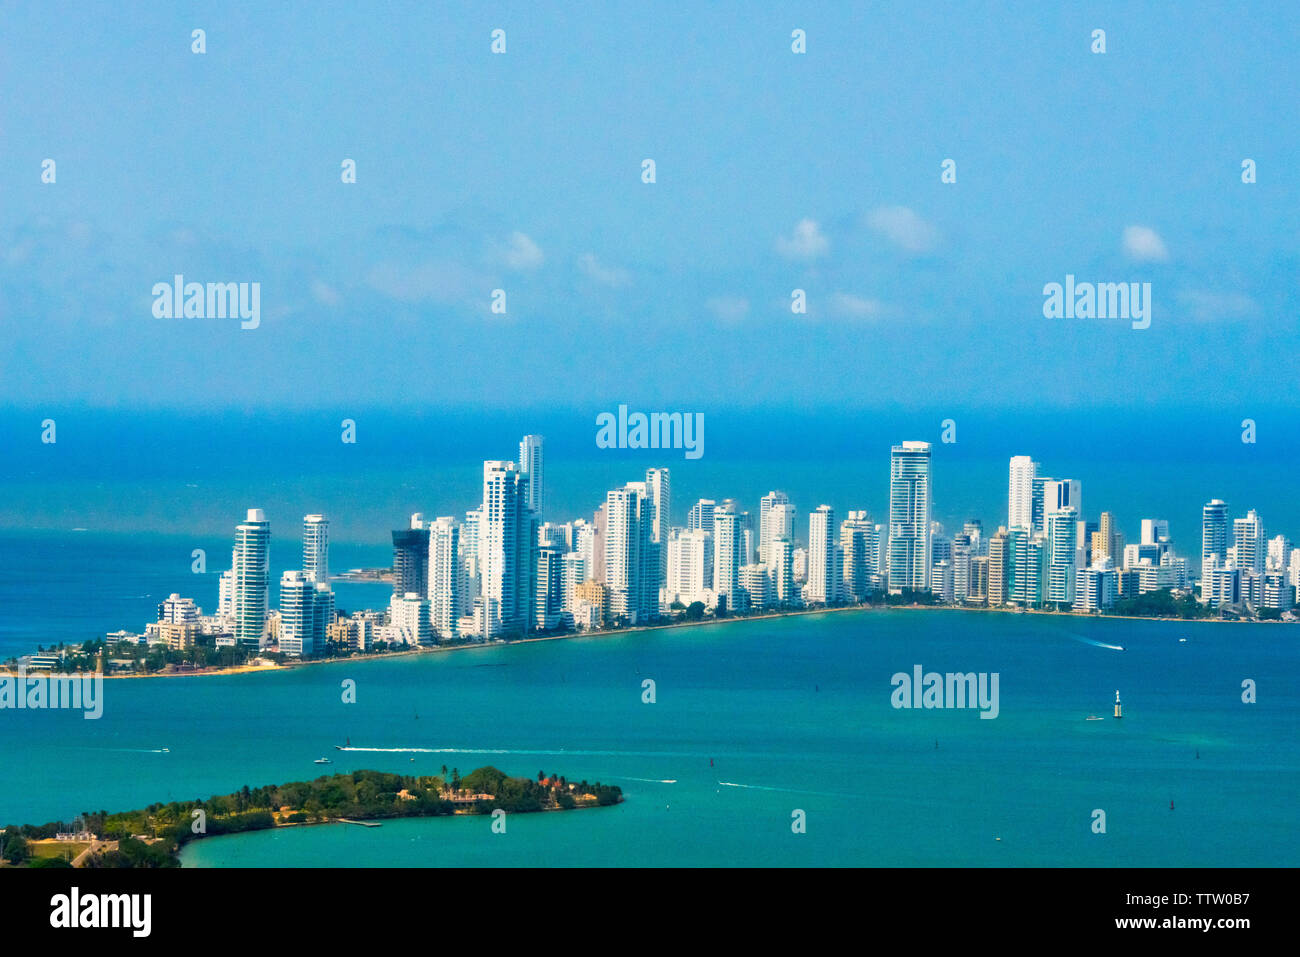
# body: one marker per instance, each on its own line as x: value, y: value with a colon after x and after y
x: 766, y: 616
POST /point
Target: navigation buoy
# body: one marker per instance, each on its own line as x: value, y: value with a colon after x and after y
x: 1118, y: 713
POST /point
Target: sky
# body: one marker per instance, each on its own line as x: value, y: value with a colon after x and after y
x: 522, y: 171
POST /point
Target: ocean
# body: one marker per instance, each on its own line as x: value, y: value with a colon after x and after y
x: 794, y: 713
x: 752, y: 722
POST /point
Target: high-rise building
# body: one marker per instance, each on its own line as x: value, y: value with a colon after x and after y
x: 1214, y: 532
x: 1248, y: 539
x: 250, y: 579
x: 690, y: 565
x: 822, y: 574
x: 658, y: 485
x: 409, y: 617
x: 446, y: 579
x: 507, y: 551
x: 411, y: 558
x: 1001, y: 570
x: 858, y: 564
x: 1107, y: 542
x: 1062, y: 557
x: 766, y: 530
x: 306, y: 613
x: 701, y: 515
x: 780, y: 556
x: 631, y: 559
x: 1020, y: 492
x: 549, y: 602
x: 316, y: 548
x: 909, y: 517
x: 726, y: 555
x: 1059, y: 494
x: 531, y: 464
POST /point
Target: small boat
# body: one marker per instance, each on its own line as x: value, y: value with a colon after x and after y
x: 322, y: 761
x: 166, y: 750
x: 1182, y: 641
x: 1094, y: 717
x: 346, y: 744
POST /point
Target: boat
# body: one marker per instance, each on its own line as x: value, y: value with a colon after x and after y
x: 346, y: 744
x: 1094, y: 717
x: 1182, y: 641
x: 322, y: 761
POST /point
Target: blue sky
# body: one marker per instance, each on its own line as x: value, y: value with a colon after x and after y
x: 775, y: 171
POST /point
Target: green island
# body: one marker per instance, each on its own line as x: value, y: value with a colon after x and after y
x: 154, y: 836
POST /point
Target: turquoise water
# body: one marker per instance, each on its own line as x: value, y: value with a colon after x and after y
x: 795, y: 714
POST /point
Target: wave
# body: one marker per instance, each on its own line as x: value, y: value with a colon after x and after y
x: 558, y: 752
x: 1097, y: 644
x: 764, y: 787
x: 653, y: 780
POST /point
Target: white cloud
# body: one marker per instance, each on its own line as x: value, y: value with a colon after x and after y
x: 806, y: 242
x: 729, y: 308
x: 522, y: 253
x: 323, y: 293
x: 848, y: 306
x: 1143, y: 244
x: 608, y: 276
x: 1214, y: 306
x: 904, y: 228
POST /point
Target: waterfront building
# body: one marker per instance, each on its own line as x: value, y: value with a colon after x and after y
x: 909, y: 517
x: 532, y: 466
x: 250, y: 579
x: 822, y: 574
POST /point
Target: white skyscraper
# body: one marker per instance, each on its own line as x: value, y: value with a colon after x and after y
x: 909, y: 516
x: 767, y: 531
x: 1214, y: 533
x: 446, y: 577
x: 690, y: 565
x: 250, y: 578
x: 531, y: 464
x: 858, y: 565
x: 1062, y: 556
x: 658, y: 486
x: 507, y: 547
x: 316, y: 548
x: 1059, y: 494
x: 727, y: 557
x: 822, y: 573
x: 701, y: 515
x: 633, y: 592
x: 1248, y: 539
x: 1020, y: 492
x: 306, y: 612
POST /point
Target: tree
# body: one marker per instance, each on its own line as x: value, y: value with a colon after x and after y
x: 14, y: 847
x: 695, y: 611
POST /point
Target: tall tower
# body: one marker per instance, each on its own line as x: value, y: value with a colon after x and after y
x: 1020, y: 492
x: 1214, y: 532
x: 766, y: 533
x: 446, y: 572
x: 726, y: 554
x: 659, y: 491
x: 909, y: 516
x: 507, y: 546
x: 822, y: 576
x: 250, y: 579
x: 628, y: 554
x: 316, y: 548
x: 411, y: 558
x: 532, y: 465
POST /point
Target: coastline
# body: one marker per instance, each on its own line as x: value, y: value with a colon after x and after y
x: 789, y: 613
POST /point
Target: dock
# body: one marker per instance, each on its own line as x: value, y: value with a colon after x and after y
x: 344, y: 820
